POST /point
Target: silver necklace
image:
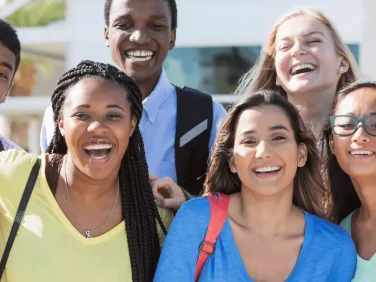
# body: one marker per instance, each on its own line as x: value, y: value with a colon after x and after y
x: 87, y: 231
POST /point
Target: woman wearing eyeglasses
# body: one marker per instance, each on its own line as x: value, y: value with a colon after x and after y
x: 350, y: 139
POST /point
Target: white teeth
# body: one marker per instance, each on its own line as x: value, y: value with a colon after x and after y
x: 98, y: 157
x: 139, y: 59
x: 303, y: 66
x: 267, y: 169
x: 362, y: 153
x: 139, y: 55
x: 98, y: 147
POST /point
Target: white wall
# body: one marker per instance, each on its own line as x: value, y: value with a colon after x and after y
x: 368, y: 39
x: 245, y: 22
x: 207, y: 23
x: 85, y: 25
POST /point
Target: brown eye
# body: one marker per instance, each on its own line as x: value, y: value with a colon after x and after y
x: 114, y: 116
x: 248, y: 141
x: 81, y: 116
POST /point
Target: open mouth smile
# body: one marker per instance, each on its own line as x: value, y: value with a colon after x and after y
x: 302, y: 68
x: 266, y: 171
x: 98, y: 151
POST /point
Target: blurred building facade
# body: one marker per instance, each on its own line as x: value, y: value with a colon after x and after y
x: 217, y: 42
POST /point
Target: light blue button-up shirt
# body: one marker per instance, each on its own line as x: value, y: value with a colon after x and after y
x: 157, y: 126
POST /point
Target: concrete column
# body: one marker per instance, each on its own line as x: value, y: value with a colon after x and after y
x: 33, y: 135
x: 85, y: 26
x: 368, y: 40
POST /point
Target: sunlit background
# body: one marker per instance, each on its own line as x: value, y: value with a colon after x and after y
x: 217, y: 42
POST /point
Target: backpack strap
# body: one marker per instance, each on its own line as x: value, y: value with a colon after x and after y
x: 194, y: 120
x: 218, y: 215
x: 1, y: 146
x: 20, y: 213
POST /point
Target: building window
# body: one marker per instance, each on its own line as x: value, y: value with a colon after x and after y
x: 215, y: 70
x: 354, y: 48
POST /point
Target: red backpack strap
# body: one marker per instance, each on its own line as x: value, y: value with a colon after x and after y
x: 218, y: 215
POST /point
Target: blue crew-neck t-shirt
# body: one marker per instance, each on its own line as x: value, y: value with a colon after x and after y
x: 327, y: 254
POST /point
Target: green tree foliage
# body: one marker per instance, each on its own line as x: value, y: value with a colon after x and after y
x: 38, y: 13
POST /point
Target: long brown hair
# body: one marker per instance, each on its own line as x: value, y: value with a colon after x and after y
x: 344, y: 197
x: 309, y: 192
x: 263, y: 74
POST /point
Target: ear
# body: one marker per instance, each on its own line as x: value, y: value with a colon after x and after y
x: 106, y: 40
x: 133, y: 125
x: 343, y: 66
x: 173, y: 39
x: 60, y: 123
x: 231, y: 164
x: 302, y: 155
x: 331, y: 145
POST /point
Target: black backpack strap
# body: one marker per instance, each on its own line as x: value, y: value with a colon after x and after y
x: 1, y: 146
x: 20, y: 213
x: 194, y: 120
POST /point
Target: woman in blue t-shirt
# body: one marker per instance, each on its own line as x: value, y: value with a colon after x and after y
x: 267, y: 163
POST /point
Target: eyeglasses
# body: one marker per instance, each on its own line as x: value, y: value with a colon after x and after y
x: 344, y: 125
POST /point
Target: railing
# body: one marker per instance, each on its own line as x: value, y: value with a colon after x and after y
x: 31, y: 109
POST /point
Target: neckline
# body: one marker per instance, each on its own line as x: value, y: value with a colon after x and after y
x: 304, y: 251
x: 359, y: 258
x: 64, y: 220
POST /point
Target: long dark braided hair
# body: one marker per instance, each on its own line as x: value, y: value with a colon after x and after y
x: 139, y: 210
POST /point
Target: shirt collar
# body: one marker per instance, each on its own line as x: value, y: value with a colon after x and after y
x: 153, y: 102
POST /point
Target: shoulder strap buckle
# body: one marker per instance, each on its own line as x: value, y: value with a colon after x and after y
x: 207, y: 248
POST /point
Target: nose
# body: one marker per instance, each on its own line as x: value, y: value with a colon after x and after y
x: 97, y: 127
x: 139, y: 36
x: 360, y: 135
x: 298, y: 49
x: 263, y: 150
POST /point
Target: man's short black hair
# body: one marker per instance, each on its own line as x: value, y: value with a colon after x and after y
x: 171, y: 4
x: 9, y: 39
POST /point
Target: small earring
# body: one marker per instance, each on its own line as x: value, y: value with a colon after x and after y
x: 233, y: 169
x: 341, y: 69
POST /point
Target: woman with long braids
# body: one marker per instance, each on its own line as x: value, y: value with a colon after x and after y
x: 92, y: 215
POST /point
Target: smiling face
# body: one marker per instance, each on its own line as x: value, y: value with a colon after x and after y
x: 96, y: 122
x: 305, y: 57
x: 265, y: 153
x: 7, y: 68
x: 139, y: 35
x: 356, y: 153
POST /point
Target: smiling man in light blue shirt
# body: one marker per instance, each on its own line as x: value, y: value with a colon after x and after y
x: 139, y: 35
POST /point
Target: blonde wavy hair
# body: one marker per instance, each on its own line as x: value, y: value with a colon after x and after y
x: 263, y: 74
